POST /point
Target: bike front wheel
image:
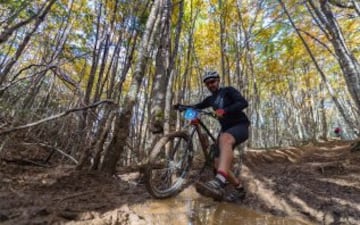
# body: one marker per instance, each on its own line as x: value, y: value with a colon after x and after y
x: 168, y: 165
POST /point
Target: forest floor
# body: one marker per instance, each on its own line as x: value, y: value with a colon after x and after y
x: 317, y: 182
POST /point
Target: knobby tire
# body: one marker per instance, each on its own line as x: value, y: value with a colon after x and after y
x: 169, y: 164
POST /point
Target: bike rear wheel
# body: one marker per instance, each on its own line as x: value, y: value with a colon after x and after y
x: 169, y: 164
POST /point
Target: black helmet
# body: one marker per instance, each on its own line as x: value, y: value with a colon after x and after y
x: 210, y: 74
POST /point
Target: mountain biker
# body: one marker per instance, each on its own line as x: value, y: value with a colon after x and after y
x: 228, y: 104
x: 338, y: 132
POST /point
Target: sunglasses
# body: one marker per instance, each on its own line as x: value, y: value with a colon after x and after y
x: 208, y: 82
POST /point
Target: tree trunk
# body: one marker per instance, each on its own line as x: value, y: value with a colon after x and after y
x: 123, y: 117
x: 222, y: 44
x: 323, y: 121
x: 161, y: 78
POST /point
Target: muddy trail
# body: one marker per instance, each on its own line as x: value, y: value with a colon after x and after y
x: 315, y: 184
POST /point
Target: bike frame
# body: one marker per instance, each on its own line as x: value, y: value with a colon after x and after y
x: 197, y: 127
x: 169, y: 178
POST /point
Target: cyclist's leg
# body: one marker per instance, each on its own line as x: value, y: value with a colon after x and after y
x: 215, y: 188
x: 227, y: 140
x: 240, y: 134
x: 231, y: 176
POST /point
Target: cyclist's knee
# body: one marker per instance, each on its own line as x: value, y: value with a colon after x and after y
x: 226, y: 139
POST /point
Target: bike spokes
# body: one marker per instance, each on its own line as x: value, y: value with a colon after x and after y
x: 169, y: 166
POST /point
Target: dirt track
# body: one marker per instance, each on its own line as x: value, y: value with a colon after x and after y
x: 319, y: 183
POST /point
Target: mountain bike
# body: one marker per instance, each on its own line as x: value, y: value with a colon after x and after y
x: 171, y: 158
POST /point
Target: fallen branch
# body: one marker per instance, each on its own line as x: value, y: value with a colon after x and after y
x: 25, y: 162
x: 54, y: 148
x: 55, y: 117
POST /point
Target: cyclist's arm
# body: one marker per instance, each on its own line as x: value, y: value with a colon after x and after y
x: 239, y: 104
x: 201, y: 105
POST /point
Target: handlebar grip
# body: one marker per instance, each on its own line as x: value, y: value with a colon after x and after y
x: 179, y: 107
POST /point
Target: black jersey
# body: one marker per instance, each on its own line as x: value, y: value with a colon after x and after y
x: 232, y: 102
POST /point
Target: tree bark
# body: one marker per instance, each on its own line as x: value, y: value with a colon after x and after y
x: 123, y: 117
x: 161, y: 78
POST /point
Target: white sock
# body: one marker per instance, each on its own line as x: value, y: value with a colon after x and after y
x: 221, y: 178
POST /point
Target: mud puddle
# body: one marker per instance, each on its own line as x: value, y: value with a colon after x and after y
x: 189, y: 208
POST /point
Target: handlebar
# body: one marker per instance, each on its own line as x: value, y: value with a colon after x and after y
x: 182, y: 108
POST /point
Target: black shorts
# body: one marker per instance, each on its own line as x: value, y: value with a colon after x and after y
x: 240, y: 132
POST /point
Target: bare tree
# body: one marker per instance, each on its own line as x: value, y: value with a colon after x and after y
x: 124, y: 115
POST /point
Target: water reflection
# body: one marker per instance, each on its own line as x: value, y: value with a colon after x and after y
x: 190, y: 209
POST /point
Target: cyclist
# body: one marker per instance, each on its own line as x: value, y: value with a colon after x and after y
x: 338, y: 132
x: 228, y: 104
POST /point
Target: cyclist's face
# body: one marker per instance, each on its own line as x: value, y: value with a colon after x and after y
x: 212, y: 84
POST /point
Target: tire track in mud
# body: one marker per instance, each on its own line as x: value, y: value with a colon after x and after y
x: 319, y: 183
